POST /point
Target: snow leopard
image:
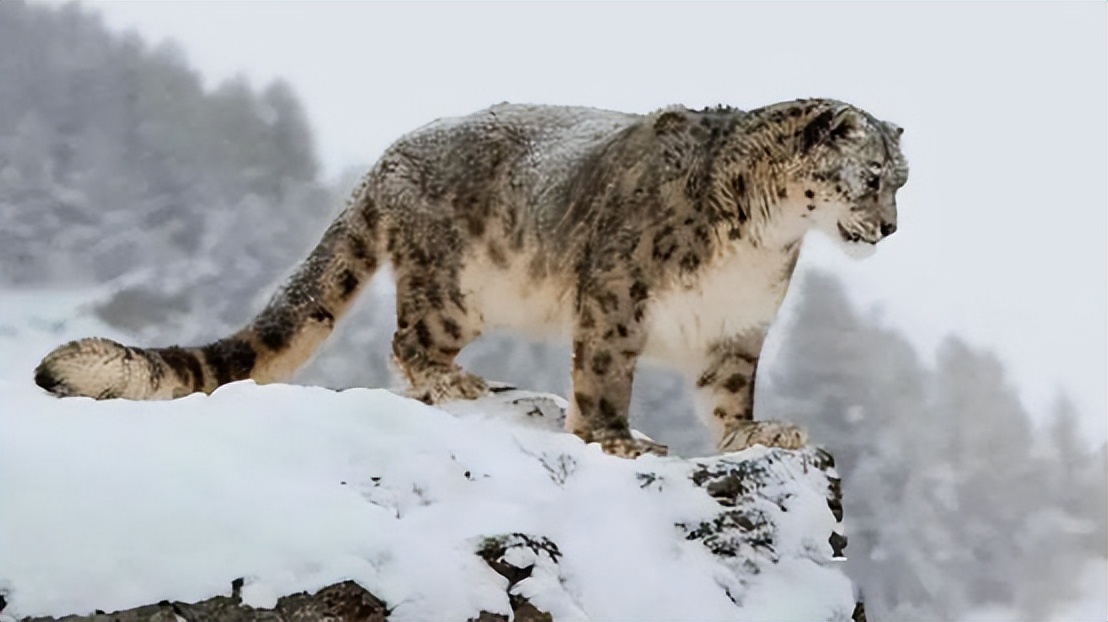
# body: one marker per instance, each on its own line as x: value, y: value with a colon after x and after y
x: 668, y: 237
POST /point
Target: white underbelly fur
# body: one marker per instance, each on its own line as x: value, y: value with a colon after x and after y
x: 741, y: 292
x: 512, y: 298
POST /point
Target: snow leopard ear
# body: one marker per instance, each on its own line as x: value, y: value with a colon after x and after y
x: 830, y: 126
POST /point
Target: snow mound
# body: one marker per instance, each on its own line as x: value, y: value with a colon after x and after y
x: 487, y: 510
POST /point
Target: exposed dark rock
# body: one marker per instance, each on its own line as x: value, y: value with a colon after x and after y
x: 753, y: 493
x: 341, y: 602
x: 493, y: 551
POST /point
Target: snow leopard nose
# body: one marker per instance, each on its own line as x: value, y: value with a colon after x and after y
x: 888, y: 228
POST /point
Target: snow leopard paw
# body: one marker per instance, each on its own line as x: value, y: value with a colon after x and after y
x: 632, y: 447
x: 767, y: 433
x: 449, y: 385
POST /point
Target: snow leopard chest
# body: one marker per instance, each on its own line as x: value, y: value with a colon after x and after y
x: 737, y: 294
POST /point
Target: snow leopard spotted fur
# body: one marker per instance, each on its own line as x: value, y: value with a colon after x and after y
x: 671, y: 235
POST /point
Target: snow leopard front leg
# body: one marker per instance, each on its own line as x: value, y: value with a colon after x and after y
x: 725, y: 397
x: 608, y: 336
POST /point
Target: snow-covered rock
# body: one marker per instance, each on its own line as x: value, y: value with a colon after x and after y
x: 280, y: 501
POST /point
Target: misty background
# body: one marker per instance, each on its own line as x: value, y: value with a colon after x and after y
x: 182, y: 202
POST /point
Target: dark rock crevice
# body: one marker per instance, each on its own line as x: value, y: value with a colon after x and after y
x: 341, y: 602
x: 494, y: 551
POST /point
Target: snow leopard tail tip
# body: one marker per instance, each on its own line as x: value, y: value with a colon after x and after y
x: 104, y: 369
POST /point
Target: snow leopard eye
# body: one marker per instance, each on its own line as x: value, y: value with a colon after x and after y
x: 873, y: 181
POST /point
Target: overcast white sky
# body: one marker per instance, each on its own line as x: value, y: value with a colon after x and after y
x: 1002, y: 224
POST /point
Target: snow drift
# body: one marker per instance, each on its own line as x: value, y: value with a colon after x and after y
x: 282, y: 489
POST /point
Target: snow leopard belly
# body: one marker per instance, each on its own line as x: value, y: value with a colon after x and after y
x: 513, y: 297
x: 739, y: 293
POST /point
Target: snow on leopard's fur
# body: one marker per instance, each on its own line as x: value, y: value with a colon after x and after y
x: 671, y: 235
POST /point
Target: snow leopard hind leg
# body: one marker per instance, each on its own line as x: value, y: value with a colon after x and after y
x: 434, y: 319
x: 433, y: 324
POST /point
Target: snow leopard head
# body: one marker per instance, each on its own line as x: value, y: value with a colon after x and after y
x: 852, y: 167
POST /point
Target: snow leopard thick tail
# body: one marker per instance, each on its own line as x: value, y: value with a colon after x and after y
x: 278, y: 341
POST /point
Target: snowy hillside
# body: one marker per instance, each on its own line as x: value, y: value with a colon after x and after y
x: 114, y: 505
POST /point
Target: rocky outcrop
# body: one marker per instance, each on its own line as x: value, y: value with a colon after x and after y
x: 746, y: 534
x: 386, y: 509
x: 751, y: 530
x: 341, y: 601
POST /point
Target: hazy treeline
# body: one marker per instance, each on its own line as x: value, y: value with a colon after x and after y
x: 116, y: 164
x: 114, y: 157
x: 953, y: 499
